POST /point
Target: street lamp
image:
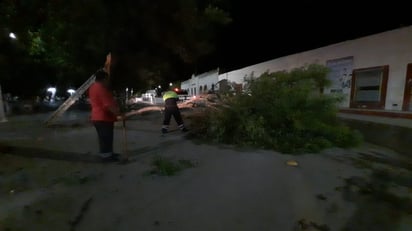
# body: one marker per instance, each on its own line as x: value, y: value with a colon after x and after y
x: 71, y: 91
x: 52, y: 90
x: 2, y: 112
x: 12, y: 36
x: 127, y: 96
x: 170, y: 84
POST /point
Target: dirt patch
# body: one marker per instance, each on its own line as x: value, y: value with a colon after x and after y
x: 382, y: 201
x: 39, y: 193
x: 48, y: 154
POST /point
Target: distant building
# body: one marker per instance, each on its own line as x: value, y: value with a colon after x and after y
x: 374, y: 73
x: 201, y: 84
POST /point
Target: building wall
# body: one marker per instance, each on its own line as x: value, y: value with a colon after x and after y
x: 196, y: 85
x: 392, y: 48
x: 185, y: 85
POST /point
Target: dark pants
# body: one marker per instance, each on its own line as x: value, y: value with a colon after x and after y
x: 105, y: 133
x: 169, y: 111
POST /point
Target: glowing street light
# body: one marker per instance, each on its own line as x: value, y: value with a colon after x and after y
x: 170, y: 84
x: 52, y: 90
x: 71, y: 91
x: 12, y: 36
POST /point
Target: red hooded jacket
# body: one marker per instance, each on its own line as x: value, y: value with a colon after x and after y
x: 101, y: 99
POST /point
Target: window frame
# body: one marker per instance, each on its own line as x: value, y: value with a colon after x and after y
x: 383, y: 88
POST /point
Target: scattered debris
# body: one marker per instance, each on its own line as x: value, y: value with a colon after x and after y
x: 320, y: 227
x: 377, y: 203
x: 188, y: 163
x: 321, y: 197
x: 304, y: 225
x: 292, y: 163
x: 156, y: 223
x: 78, y: 218
x: 166, y: 167
x: 333, y: 208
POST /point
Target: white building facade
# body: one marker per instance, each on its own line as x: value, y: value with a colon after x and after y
x: 201, y: 84
x: 372, y: 72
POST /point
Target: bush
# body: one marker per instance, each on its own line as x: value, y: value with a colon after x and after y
x: 284, y: 111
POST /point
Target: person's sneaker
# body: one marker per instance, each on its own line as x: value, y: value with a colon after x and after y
x: 164, y: 130
x: 184, y: 130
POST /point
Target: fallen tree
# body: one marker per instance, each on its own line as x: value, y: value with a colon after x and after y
x: 202, y: 101
x: 284, y: 111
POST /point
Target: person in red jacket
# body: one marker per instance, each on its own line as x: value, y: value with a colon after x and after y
x: 105, y: 112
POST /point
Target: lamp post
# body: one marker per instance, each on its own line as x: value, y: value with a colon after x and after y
x: 52, y: 90
x: 127, y: 89
x: 2, y: 113
x: 71, y: 91
x: 3, y: 118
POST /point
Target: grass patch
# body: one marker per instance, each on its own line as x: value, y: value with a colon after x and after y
x: 74, y: 179
x: 23, y: 174
x: 168, y: 167
x: 52, y: 213
x: 379, y: 205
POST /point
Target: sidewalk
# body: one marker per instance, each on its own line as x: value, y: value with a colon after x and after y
x: 378, y: 119
x: 393, y: 133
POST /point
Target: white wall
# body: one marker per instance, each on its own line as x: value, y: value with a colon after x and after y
x: 185, y: 85
x: 206, y: 79
x: 393, y: 48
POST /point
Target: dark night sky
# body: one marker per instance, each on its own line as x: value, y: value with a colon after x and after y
x: 262, y: 30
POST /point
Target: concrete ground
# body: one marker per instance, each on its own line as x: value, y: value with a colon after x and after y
x: 227, y: 188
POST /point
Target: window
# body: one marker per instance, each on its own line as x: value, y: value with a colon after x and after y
x: 205, y: 88
x: 200, y: 90
x: 369, y: 87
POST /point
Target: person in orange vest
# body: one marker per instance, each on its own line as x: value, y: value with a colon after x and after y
x: 105, y: 112
x: 171, y: 109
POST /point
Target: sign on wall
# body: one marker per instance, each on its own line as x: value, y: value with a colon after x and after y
x: 340, y: 76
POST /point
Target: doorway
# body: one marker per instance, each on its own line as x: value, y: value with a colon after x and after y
x: 407, y: 99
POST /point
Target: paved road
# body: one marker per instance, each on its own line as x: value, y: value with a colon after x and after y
x: 230, y: 189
